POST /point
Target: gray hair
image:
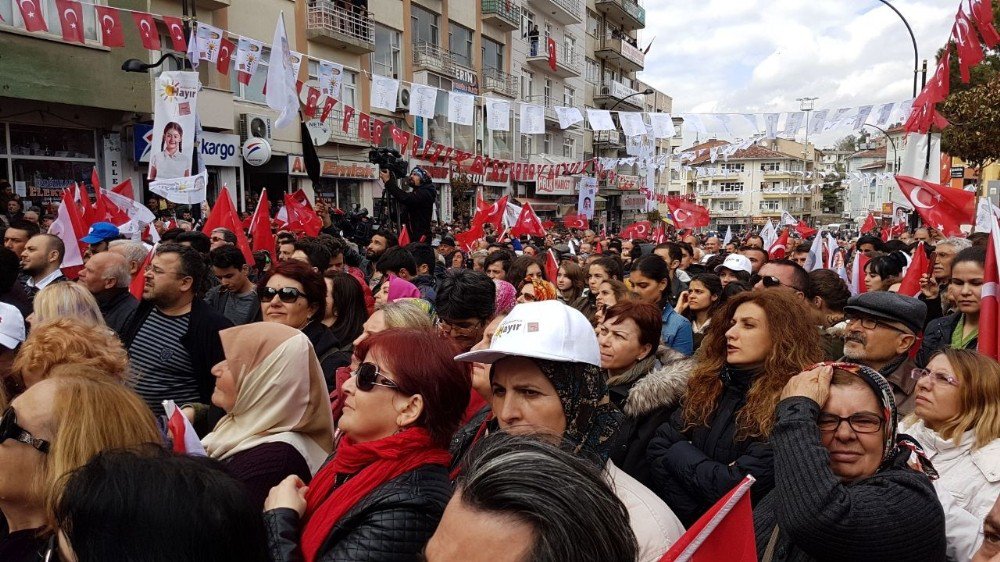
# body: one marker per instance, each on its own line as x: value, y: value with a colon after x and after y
x: 408, y: 313
x: 573, y: 511
x: 134, y: 252
x: 955, y: 242
x: 117, y: 269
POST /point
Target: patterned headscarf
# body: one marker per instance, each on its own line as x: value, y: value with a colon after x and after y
x: 544, y: 291
x: 506, y: 296
x: 896, y: 443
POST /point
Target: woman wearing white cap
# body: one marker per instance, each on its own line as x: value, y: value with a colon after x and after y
x: 546, y: 379
x: 736, y: 267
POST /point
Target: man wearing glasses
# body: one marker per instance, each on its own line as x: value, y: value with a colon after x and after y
x: 783, y: 274
x: 173, y: 338
x: 881, y: 328
x: 465, y: 303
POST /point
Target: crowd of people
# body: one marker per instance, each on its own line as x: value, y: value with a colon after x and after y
x: 573, y: 397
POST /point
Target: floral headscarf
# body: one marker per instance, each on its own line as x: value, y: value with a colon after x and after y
x: 543, y: 290
x: 506, y: 296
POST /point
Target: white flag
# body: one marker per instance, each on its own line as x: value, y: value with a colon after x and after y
x: 192, y: 52
x: 63, y: 228
x: 497, y: 114
x: 568, y: 116
x: 331, y: 78
x: 787, y: 219
x: 729, y: 236
x: 248, y: 55
x: 600, y: 120
x: 768, y: 234
x: 663, y: 125
x: 771, y: 124
x: 461, y: 108
x: 814, y: 260
x: 884, y: 111
x: 423, y: 99
x: 384, y: 92
x: 281, y: 93
x: 793, y: 122
x: 817, y: 121
x: 862, y: 116
x: 632, y: 124
x: 532, y: 119
x: 209, y: 42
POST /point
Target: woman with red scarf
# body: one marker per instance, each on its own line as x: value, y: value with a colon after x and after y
x: 382, y: 493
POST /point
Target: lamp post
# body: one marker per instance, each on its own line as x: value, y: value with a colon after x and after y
x: 913, y: 39
x: 806, y: 105
x: 619, y: 100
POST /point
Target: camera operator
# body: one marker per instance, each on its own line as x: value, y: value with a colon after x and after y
x: 419, y: 202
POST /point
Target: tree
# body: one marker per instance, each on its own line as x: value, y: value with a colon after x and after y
x: 848, y: 143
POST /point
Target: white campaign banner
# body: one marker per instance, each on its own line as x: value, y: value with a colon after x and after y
x: 532, y: 119
x: 209, y: 42
x: 423, y: 100
x: 568, y: 116
x: 663, y: 125
x: 384, y: 92
x: 587, y: 197
x: 176, y: 96
x: 632, y: 124
x: 331, y: 78
x: 497, y: 114
x: 461, y: 107
x: 600, y: 120
x: 189, y: 190
x: 248, y: 53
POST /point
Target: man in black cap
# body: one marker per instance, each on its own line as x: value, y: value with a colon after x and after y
x: 881, y: 328
x: 446, y: 246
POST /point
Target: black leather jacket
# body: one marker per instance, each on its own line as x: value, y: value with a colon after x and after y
x: 392, y: 523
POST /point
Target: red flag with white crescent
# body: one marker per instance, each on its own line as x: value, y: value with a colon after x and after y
x: 226, y: 50
x: 348, y: 115
x: 111, y: 26
x: 550, y: 45
x: 31, y: 13
x: 175, y: 28
x: 312, y: 101
x: 989, y: 315
x: 941, y: 207
x: 147, y: 30
x: 528, y: 223
x: 71, y: 20
x: 327, y: 108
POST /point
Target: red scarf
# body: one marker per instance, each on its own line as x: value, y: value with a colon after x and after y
x: 372, y: 464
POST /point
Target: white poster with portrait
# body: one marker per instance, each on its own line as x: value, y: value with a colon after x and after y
x: 331, y: 78
x: 175, y: 109
x: 587, y: 198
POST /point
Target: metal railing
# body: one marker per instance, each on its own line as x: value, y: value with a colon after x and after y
x: 567, y: 58
x: 433, y: 57
x: 507, y: 10
x: 500, y: 82
x: 327, y: 16
x: 574, y: 7
x: 631, y: 8
x: 624, y: 46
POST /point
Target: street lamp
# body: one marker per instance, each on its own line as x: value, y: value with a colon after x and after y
x: 645, y: 92
x: 805, y: 104
x: 916, y: 56
x: 136, y: 65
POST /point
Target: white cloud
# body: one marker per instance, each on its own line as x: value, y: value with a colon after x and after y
x: 746, y: 56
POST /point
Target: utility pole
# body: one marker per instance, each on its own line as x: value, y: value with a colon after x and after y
x: 806, y: 105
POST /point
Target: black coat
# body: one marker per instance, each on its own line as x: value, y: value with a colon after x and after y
x: 937, y: 336
x: 892, y: 515
x: 117, y: 306
x: 392, y: 523
x: 419, y: 206
x: 692, y: 469
x: 330, y: 353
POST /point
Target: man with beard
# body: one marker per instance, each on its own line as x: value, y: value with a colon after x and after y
x: 381, y: 241
x: 881, y: 328
x: 40, y: 262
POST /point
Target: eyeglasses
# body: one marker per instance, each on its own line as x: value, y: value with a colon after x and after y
x: 770, y: 281
x: 463, y: 328
x: 368, y: 377
x: 869, y: 323
x: 860, y: 423
x: 919, y: 373
x: 158, y: 271
x: 287, y: 295
x: 10, y: 430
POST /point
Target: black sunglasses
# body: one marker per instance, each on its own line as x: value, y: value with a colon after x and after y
x: 10, y: 430
x: 287, y: 295
x: 368, y: 377
x: 770, y: 281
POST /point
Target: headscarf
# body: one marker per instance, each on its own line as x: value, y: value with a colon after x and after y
x: 544, y: 290
x: 401, y: 289
x: 896, y: 444
x: 506, y: 296
x: 281, y: 394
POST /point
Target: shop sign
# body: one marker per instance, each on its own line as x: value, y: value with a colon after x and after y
x: 112, y: 145
x: 330, y: 168
x: 256, y: 151
x: 555, y: 186
x: 958, y: 171
x: 633, y: 202
x: 219, y: 149
x: 626, y: 182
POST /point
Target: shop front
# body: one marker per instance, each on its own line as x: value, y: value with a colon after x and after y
x: 40, y: 161
x: 343, y: 184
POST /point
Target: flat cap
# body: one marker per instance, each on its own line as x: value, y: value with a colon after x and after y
x: 893, y: 307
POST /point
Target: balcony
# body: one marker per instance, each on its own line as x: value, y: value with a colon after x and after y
x: 346, y: 29
x: 427, y: 56
x: 618, y: 51
x: 607, y: 94
x: 630, y: 15
x: 566, y: 12
x: 569, y: 61
x: 504, y: 14
x: 610, y: 140
x: 336, y: 124
x: 212, y: 4
x: 499, y: 82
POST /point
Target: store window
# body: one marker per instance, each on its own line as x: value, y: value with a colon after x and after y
x: 41, y: 161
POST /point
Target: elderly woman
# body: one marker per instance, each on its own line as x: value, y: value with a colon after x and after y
x: 721, y: 434
x: 294, y: 294
x: 385, y: 488
x: 847, y: 485
x: 48, y: 431
x: 546, y: 379
x: 277, y: 419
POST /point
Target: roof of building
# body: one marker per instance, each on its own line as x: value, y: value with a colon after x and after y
x: 752, y: 152
x: 872, y: 166
x: 879, y: 152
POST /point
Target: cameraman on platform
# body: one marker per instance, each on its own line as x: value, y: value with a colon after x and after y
x: 418, y: 203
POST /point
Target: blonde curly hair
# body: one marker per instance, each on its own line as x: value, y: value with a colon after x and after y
x: 63, y: 341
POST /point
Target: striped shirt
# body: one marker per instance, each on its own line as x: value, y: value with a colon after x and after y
x: 161, y: 364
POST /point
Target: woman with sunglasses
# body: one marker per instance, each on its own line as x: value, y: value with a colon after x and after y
x: 847, y: 485
x: 383, y: 491
x: 960, y: 329
x: 294, y: 294
x: 534, y: 290
x: 54, y: 427
x: 650, y: 279
x: 277, y: 418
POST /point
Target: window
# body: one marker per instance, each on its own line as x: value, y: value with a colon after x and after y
x: 547, y: 92
x: 729, y: 167
x: 593, y: 70
x: 254, y: 91
x: 438, y: 129
x: 425, y: 26
x: 460, y: 43
x: 731, y: 187
x: 730, y: 205
x: 492, y: 55
x: 770, y: 205
x: 592, y: 24
x: 770, y: 166
x: 529, y: 22
x: 569, y: 44
x: 569, y: 147
x: 526, y: 145
x: 569, y: 96
x: 386, y: 58
x: 527, y: 85
x: 547, y: 144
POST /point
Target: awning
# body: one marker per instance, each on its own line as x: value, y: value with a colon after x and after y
x: 540, y: 204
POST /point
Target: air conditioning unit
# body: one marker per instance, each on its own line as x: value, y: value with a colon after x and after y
x: 253, y: 125
x: 403, y: 99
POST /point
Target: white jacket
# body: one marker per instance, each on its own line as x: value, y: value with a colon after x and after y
x: 656, y: 528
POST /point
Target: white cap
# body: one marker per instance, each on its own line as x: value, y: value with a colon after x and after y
x: 541, y: 330
x: 11, y: 326
x: 735, y: 262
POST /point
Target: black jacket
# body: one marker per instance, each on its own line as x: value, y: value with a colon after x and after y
x: 937, y: 336
x: 201, y: 341
x: 419, y: 206
x: 330, y: 353
x: 117, y: 306
x: 892, y: 515
x: 692, y: 469
x: 392, y: 523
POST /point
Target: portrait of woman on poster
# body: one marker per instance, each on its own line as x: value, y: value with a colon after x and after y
x: 170, y: 161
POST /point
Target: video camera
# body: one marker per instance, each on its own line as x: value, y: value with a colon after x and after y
x: 389, y: 159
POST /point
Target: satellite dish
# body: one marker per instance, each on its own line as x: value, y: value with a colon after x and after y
x: 304, y: 93
x: 318, y: 131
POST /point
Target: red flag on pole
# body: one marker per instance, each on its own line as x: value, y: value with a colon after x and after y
x: 869, y: 224
x: 989, y: 316
x: 71, y: 20
x: 147, y: 30
x: 578, y: 222
x: 804, y: 229
x: 492, y: 214
x: 260, y: 226
x: 639, y: 230
x: 687, y: 214
x: 224, y: 215
x: 404, y: 237
x: 551, y: 266
x: 69, y: 227
x: 778, y: 250
x: 300, y: 215
x: 527, y: 223
x: 550, y: 46
x: 967, y: 43
x: 111, y: 26
x: 139, y: 280
x: 124, y: 188
x: 857, y: 281
x: 982, y: 14
x: 910, y: 285
x: 939, y: 206
x: 725, y: 532
x: 31, y: 13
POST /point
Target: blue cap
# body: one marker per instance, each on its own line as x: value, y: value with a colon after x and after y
x: 100, y: 232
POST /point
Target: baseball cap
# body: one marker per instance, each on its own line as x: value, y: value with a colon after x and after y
x: 735, y: 262
x: 541, y: 330
x: 101, y: 231
x: 11, y: 326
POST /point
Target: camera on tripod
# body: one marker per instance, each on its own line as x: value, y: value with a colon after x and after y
x: 389, y: 159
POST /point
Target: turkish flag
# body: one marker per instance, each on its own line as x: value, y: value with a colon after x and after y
x: 869, y: 224
x: 260, y: 226
x: 989, y: 315
x: 804, y: 229
x: 982, y: 15
x: 919, y: 265
x: 69, y: 227
x: 401, y: 138
x: 139, y: 280
x: 147, y: 30
x: 778, y: 250
x: 365, y: 127
x: 348, y: 115
x: 404, y: 237
x: 327, y: 108
x: 551, y: 266
x: 970, y: 50
x: 687, y: 214
x: 111, y: 26
x: 725, y: 532
x: 527, y: 223
x: 857, y: 281
x: 377, y: 128
x: 550, y: 46
x: 466, y: 240
x: 578, y: 222
x: 312, y: 99
x: 636, y: 230
x: 941, y: 207
x: 31, y: 13
x: 223, y: 215
x: 300, y: 214
x: 226, y: 50
x: 71, y: 20
x: 939, y: 85
x: 124, y: 188
x: 175, y: 27
x: 478, y: 165
x: 492, y: 214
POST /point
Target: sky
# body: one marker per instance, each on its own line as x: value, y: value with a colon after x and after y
x: 752, y: 56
